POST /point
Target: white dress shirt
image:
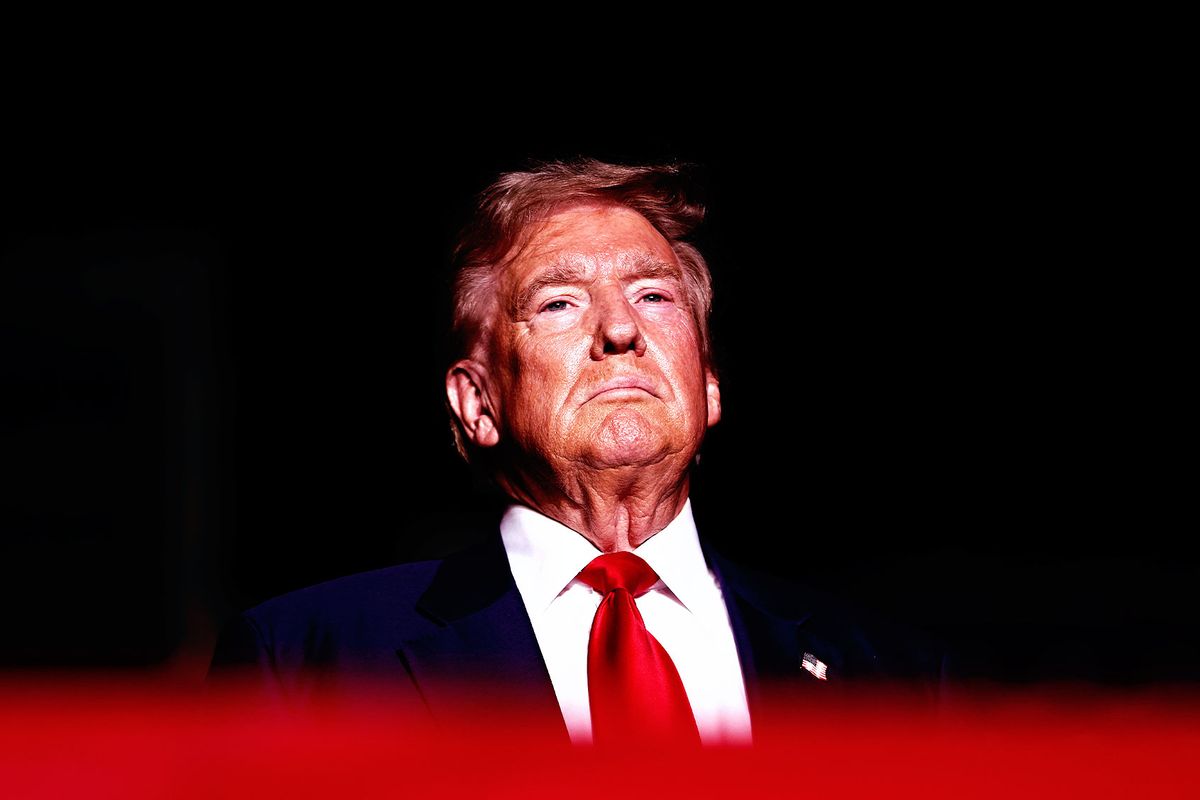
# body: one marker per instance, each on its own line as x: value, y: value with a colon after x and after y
x: 684, y: 611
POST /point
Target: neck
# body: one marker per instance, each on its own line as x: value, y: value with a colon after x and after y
x: 614, y: 509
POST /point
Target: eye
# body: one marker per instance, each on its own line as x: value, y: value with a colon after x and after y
x: 556, y: 305
x: 653, y: 297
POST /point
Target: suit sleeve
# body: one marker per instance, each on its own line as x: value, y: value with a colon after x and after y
x: 239, y: 647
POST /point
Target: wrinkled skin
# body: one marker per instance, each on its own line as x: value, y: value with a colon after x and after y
x: 592, y: 383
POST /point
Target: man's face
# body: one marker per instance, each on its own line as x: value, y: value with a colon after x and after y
x: 595, y: 358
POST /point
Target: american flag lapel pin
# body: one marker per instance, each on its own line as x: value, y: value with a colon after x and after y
x: 814, y: 665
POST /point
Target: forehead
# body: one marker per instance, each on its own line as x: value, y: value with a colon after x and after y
x: 589, y: 236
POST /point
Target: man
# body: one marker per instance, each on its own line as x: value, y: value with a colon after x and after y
x: 584, y: 390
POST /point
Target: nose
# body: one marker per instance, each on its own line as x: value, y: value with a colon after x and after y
x: 617, y: 330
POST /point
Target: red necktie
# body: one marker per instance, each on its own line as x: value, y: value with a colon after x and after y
x: 635, y: 691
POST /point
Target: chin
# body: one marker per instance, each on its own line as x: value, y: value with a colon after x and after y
x: 608, y: 459
x: 626, y: 438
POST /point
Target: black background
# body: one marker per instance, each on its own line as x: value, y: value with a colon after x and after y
x: 222, y: 360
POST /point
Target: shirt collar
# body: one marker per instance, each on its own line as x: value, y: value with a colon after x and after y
x: 675, y: 554
x: 545, y: 556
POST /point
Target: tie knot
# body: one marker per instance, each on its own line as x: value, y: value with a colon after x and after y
x: 619, y: 571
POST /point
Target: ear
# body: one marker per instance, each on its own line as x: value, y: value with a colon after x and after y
x: 713, y: 391
x: 466, y: 389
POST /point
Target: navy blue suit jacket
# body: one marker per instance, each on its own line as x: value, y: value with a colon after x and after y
x: 433, y: 628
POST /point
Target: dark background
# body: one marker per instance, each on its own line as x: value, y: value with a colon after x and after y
x: 222, y: 359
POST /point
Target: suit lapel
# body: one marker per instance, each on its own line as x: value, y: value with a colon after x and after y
x: 480, y: 640
x: 774, y: 633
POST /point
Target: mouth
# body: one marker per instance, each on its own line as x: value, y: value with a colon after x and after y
x: 619, y: 388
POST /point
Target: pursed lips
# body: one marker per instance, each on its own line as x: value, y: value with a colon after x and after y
x: 629, y: 382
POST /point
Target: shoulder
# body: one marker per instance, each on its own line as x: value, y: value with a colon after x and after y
x: 343, y: 600
x: 352, y: 616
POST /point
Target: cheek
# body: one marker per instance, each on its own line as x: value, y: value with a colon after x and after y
x: 680, y: 348
x: 544, y: 372
x: 675, y: 322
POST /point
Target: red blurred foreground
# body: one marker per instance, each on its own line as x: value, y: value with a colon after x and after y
x: 140, y: 737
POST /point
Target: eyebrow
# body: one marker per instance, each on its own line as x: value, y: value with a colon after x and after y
x: 573, y: 272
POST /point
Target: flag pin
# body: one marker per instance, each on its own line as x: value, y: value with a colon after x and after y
x: 814, y: 665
